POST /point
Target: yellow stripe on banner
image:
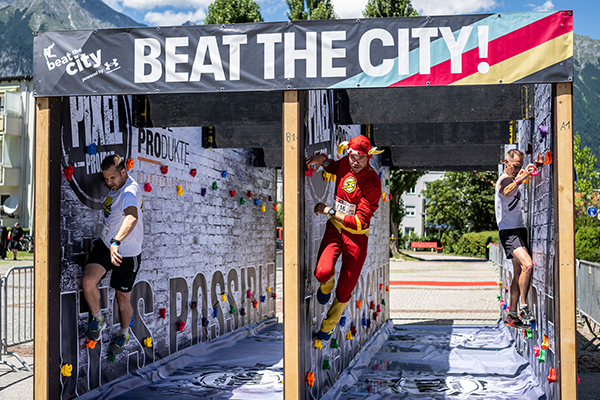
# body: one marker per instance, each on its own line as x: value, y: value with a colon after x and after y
x: 521, y: 66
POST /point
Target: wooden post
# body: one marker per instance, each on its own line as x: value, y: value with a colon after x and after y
x: 46, y: 382
x: 293, y: 245
x: 564, y: 277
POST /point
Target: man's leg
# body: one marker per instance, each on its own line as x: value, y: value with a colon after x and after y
x: 526, y: 264
x: 514, y: 287
x: 329, y: 252
x: 92, y: 274
x: 125, y: 309
x: 14, y: 251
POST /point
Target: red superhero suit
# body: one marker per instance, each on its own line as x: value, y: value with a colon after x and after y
x: 357, y: 196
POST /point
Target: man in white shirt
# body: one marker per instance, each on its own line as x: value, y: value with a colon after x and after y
x: 513, y: 235
x: 118, y: 249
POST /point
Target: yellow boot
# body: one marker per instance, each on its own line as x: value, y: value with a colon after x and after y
x: 324, y: 292
x: 333, y: 317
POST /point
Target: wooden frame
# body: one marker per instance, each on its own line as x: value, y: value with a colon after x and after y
x: 564, y: 277
x: 293, y: 250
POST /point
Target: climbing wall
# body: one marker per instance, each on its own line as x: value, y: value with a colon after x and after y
x: 536, y: 135
x: 367, y: 309
x: 209, y: 240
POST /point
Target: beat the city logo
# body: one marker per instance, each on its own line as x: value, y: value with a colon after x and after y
x: 76, y: 61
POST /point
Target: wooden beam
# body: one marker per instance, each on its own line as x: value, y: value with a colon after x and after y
x: 208, y: 109
x: 564, y: 278
x: 433, y: 104
x: 448, y: 133
x: 47, y: 240
x: 482, y: 157
x: 293, y: 245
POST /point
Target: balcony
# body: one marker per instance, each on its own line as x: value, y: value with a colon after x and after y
x: 10, y: 176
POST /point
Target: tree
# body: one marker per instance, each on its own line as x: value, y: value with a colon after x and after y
x: 462, y: 201
x: 389, y: 8
x: 310, y: 9
x: 233, y: 12
x: 587, y: 176
x: 400, y: 182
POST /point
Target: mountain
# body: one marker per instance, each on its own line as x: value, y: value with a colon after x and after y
x: 19, y: 19
x: 586, y: 92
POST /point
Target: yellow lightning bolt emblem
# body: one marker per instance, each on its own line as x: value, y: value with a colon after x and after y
x: 349, y: 184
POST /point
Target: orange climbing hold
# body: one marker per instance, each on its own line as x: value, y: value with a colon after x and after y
x: 311, y: 379
x: 130, y: 163
x: 90, y: 344
x: 381, y: 286
x: 359, y: 304
x: 552, y: 375
x: 548, y: 158
x: 545, y: 343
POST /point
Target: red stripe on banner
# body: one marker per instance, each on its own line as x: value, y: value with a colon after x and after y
x: 500, y: 49
x: 441, y: 283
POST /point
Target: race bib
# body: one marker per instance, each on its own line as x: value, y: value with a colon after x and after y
x: 344, y: 207
x: 105, y: 230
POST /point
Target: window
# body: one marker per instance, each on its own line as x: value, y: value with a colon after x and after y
x: 408, y: 230
x: 412, y: 190
x: 409, y: 211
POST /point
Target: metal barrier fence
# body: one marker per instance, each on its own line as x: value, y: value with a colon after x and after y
x: 588, y: 295
x: 495, y: 254
x: 16, y: 312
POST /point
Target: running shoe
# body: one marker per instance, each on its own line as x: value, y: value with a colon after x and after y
x: 324, y: 336
x: 118, y: 345
x: 323, y: 298
x: 526, y: 315
x: 95, y: 328
x: 516, y: 323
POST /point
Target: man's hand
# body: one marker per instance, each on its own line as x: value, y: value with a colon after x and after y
x: 115, y: 257
x: 317, y: 159
x: 321, y: 208
x: 525, y: 173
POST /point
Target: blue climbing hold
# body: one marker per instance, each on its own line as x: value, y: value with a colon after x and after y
x: 204, y: 321
x: 203, y: 192
x: 532, y: 324
x: 132, y: 322
x: 256, y: 202
x: 364, y: 322
x: 215, y: 312
x: 380, y: 174
x: 91, y: 149
x: 263, y: 298
x: 343, y: 321
x: 224, y: 174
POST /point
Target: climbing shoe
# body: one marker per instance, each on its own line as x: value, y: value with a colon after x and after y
x: 323, y: 298
x: 118, y: 345
x: 324, y: 336
x: 516, y: 323
x: 95, y: 328
x: 526, y: 315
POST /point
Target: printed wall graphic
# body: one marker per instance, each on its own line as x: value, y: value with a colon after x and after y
x: 485, y: 49
x: 195, y: 247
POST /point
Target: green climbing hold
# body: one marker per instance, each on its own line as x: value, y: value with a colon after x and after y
x: 529, y: 334
x: 334, y: 344
x: 498, y: 297
x: 387, y: 182
x: 383, y: 301
x: 326, y: 364
x: 232, y: 310
x: 542, y: 356
x: 242, y: 201
x: 214, y: 186
x: 111, y: 357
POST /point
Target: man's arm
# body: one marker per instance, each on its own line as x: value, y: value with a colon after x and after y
x: 129, y: 222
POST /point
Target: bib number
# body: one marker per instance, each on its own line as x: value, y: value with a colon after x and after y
x: 344, y: 207
x: 105, y: 230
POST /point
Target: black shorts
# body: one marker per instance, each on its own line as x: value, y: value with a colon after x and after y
x: 512, y: 239
x: 15, y: 244
x: 123, y: 276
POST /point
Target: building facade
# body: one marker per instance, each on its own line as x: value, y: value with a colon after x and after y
x: 415, y: 207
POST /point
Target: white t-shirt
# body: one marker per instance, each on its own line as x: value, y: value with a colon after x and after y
x: 508, y: 208
x: 116, y: 201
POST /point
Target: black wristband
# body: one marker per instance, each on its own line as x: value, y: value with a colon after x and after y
x: 115, y: 241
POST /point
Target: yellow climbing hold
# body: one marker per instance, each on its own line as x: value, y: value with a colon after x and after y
x: 268, y: 289
x: 66, y: 370
x: 180, y: 190
x: 263, y: 209
x: 318, y: 344
x: 349, y: 336
x: 148, y: 342
x: 224, y: 297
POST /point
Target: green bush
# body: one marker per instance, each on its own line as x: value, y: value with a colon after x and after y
x: 474, y: 244
x: 587, y: 243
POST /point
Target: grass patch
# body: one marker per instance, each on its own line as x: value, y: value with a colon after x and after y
x: 406, y: 257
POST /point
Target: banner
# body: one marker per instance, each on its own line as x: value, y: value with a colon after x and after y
x: 481, y: 49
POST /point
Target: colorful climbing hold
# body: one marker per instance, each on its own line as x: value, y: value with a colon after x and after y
x: 147, y: 187
x: 249, y: 193
x: 364, y: 322
x: 129, y: 163
x: 66, y: 370
x: 353, y: 329
x: 375, y: 315
x: 194, y: 305
x: 215, y: 186
x: 500, y: 284
x: 359, y: 304
x: 242, y: 201
x: 334, y: 344
x: 224, y: 297
x: 552, y: 376
x: 536, y: 350
x: 378, y: 308
x: 242, y: 311
x: 204, y: 321
x: 326, y: 364
x: 343, y: 321
x: 180, y: 326
x: 268, y: 289
x: 111, y: 357
x: 383, y: 302
x: 532, y: 324
x: 232, y: 193
x: 263, y: 209
x: 372, y: 305
x: 529, y: 334
x: 309, y: 172
x: 193, y: 172
x: 349, y: 336
x: 542, y: 356
x: 498, y: 297
x: 164, y: 169
x: 256, y: 202
x: 548, y: 158
x: 224, y: 174
x: 249, y: 293
x: 69, y: 172
x: 263, y: 298
x: 163, y: 313
x: 148, y: 342
x: 387, y: 182
x: 270, y: 198
x: 545, y: 343
x: 368, y: 322
x: 387, y: 288
x: 318, y: 344
x: 232, y: 310
x: 255, y: 303
x: 274, y: 295
x: 539, y: 161
x: 275, y: 207
x: 132, y: 322
x: 381, y: 286
x: 91, y: 149
x: 310, y: 379
x: 203, y: 192
x: 180, y: 190
x: 215, y: 312
x: 90, y: 343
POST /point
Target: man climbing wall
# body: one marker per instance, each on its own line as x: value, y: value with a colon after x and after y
x: 358, y: 190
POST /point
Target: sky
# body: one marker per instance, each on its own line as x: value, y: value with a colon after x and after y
x: 176, y: 12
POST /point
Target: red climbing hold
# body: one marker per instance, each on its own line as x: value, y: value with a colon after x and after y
x: 180, y: 326
x: 147, y: 187
x: 552, y: 375
x: 163, y: 313
x: 69, y: 173
x: 249, y: 193
x: 193, y: 172
x: 164, y: 169
x: 232, y: 193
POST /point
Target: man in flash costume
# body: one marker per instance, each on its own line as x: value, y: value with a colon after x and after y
x: 357, y: 191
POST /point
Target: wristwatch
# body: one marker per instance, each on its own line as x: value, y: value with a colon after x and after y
x: 115, y: 241
x: 331, y: 211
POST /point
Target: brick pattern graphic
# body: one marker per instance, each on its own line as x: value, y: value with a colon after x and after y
x: 197, y: 245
